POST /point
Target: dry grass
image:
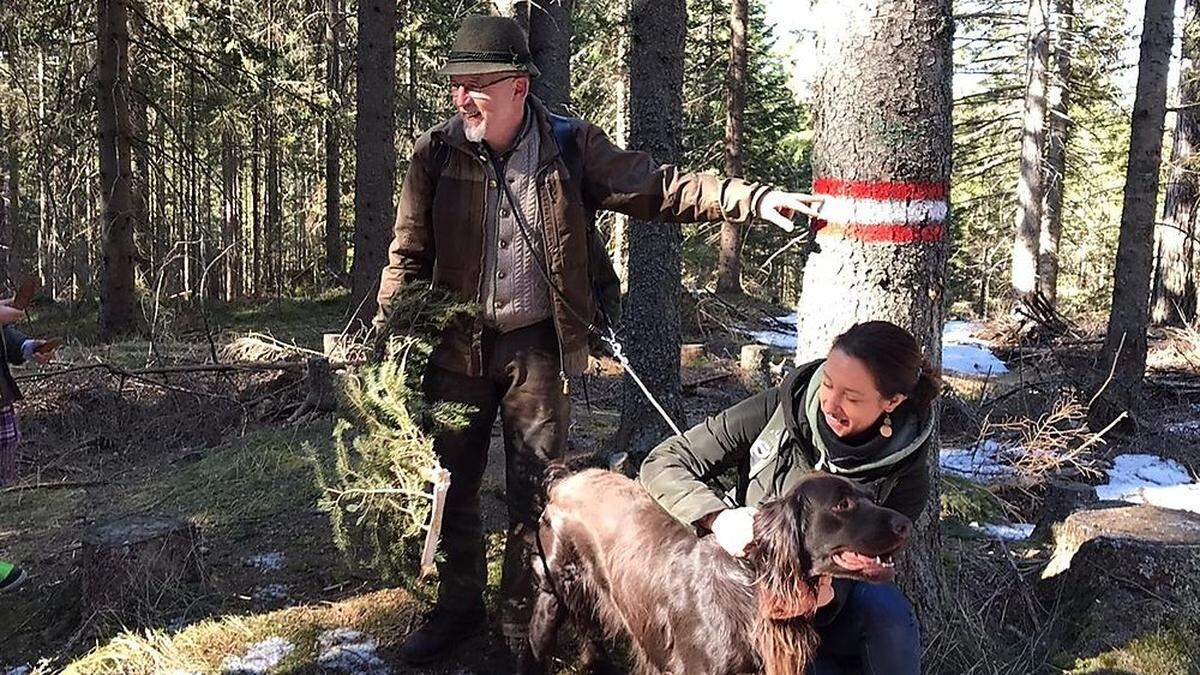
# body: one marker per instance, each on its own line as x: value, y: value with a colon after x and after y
x: 386, y: 615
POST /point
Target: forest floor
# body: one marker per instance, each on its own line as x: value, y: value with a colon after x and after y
x: 104, y: 438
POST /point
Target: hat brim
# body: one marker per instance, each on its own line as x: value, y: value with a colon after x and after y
x: 484, y: 68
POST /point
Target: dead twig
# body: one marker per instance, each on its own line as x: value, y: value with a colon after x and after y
x: 54, y: 486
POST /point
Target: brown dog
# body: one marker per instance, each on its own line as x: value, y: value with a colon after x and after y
x: 618, y: 564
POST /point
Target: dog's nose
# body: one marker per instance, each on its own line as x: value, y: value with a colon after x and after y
x: 901, y: 526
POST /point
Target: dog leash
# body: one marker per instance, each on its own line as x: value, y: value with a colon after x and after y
x: 614, y: 344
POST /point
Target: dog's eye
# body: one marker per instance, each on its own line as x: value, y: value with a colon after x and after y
x: 845, y: 505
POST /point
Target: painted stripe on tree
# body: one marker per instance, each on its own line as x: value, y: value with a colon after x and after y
x: 882, y: 212
x: 881, y: 189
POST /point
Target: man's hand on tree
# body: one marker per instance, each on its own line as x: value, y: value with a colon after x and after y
x: 780, y: 207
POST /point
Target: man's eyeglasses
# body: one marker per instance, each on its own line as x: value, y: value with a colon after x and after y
x: 477, y: 87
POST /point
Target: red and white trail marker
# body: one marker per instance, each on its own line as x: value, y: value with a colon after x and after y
x: 882, y: 212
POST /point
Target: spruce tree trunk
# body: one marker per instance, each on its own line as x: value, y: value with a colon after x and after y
x: 729, y: 264
x: 651, y: 315
x: 117, y: 301
x: 1173, y: 299
x: 881, y: 159
x: 1124, y: 351
x: 618, y: 241
x: 12, y: 197
x: 335, y: 252
x: 548, y: 24
x: 256, y: 265
x: 1030, y: 184
x: 1058, y: 133
x: 375, y: 158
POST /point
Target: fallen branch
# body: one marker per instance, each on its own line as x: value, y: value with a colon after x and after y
x: 54, y: 486
x: 246, y: 366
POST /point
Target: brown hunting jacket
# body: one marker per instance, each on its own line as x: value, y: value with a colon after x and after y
x: 439, y: 232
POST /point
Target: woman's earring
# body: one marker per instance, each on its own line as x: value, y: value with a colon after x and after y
x: 885, y: 429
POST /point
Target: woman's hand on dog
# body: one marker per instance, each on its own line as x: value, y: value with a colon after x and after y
x: 734, y: 529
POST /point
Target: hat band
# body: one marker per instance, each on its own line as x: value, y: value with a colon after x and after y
x: 488, y: 57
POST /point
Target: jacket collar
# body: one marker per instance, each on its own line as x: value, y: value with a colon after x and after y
x: 451, y: 133
x: 799, y: 395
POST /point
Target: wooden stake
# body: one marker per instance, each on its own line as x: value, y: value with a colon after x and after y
x: 441, y: 484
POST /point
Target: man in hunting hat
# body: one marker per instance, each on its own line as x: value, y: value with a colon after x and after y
x: 498, y: 205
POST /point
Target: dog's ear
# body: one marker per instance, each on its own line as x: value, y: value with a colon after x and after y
x: 784, y: 588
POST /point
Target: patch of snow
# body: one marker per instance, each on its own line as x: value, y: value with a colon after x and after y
x: 1014, y: 532
x: 782, y: 339
x: 350, y: 651
x: 266, y: 562
x: 962, y: 352
x: 1150, y: 479
x: 980, y: 462
x: 23, y: 669
x: 1188, y: 428
x: 271, y: 592
x: 259, y: 658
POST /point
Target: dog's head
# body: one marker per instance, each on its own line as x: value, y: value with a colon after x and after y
x: 824, y: 526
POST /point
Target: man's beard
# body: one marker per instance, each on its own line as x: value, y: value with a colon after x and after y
x: 475, y: 132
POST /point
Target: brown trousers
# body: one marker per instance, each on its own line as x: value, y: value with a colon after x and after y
x: 521, y: 380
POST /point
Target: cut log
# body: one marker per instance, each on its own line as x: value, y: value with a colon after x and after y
x: 1062, y: 499
x: 1122, y: 572
x: 134, y: 568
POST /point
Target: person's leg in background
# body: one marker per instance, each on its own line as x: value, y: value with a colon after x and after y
x: 11, y: 576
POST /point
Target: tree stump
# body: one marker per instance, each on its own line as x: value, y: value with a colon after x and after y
x: 318, y: 380
x: 755, y: 364
x: 1062, y: 499
x: 1122, y: 572
x: 134, y: 568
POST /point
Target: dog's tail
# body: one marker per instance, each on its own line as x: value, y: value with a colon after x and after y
x: 556, y: 471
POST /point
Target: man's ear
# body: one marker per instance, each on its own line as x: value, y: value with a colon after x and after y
x: 521, y: 87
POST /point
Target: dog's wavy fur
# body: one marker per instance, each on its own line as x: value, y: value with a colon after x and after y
x: 618, y: 564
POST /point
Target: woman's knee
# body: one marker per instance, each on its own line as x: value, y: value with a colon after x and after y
x: 884, y: 606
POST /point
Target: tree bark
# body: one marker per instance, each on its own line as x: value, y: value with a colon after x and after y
x: 881, y: 159
x: 335, y: 252
x: 548, y: 24
x: 651, y: 316
x: 1173, y: 299
x: 1058, y: 133
x: 729, y: 264
x: 375, y: 160
x: 1124, y: 351
x: 1030, y: 183
x: 117, y: 301
x: 11, y: 198
x: 618, y: 241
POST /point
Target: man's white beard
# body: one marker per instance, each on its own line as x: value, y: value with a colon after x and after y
x: 475, y: 132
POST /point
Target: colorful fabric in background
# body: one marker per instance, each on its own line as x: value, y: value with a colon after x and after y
x: 10, y: 438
